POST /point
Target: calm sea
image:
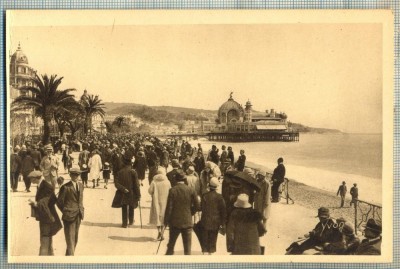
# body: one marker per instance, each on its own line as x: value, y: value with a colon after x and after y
x: 323, y: 160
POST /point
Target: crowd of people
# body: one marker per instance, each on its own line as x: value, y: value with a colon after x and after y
x: 199, y: 193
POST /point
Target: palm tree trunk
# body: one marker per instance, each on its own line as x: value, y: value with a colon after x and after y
x: 46, y: 130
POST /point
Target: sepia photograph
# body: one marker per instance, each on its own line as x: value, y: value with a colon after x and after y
x: 148, y: 136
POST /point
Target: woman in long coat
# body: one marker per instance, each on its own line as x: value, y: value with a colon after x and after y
x: 210, y: 170
x: 159, y: 189
x: 95, y: 166
x: 128, y: 192
x: 244, y: 228
x: 140, y: 165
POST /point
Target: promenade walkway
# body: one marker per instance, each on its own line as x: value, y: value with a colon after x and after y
x: 101, y: 232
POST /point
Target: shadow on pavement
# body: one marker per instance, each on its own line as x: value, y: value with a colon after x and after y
x: 99, y: 224
x: 132, y: 239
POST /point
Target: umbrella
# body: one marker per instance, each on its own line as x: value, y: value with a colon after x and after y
x: 244, y: 177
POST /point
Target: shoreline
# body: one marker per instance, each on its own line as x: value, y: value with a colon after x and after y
x: 313, y: 198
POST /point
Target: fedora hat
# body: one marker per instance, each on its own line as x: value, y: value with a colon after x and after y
x: 323, y: 212
x: 242, y: 201
x: 74, y: 171
x: 374, y: 225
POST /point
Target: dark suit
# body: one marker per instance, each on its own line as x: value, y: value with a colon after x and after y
x: 278, y: 177
x: 46, y: 214
x: 37, y: 158
x: 171, y: 176
x: 241, y: 163
x: 15, y: 165
x: 182, y: 203
x: 370, y: 247
x: 213, y: 216
x: 70, y: 203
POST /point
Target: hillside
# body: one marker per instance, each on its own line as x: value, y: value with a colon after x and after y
x: 170, y: 114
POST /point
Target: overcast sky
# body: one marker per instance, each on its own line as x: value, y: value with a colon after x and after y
x: 321, y: 75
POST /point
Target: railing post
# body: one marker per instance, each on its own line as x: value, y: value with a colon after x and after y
x: 355, y: 215
x: 287, y: 191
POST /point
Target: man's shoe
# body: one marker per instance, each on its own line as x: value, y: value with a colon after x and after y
x: 124, y: 226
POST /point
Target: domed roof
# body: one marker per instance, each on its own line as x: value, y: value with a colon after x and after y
x: 230, y: 104
x: 19, y: 56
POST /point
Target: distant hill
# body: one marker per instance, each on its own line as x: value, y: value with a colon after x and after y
x: 170, y: 114
x: 305, y: 129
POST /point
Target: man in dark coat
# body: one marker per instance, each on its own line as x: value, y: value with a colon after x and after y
x: 231, y: 155
x: 354, y: 194
x: 45, y: 212
x: 213, y: 155
x: 140, y: 165
x: 15, y: 166
x: 342, y: 191
x: 127, y: 184
x: 171, y: 175
x: 70, y: 202
x: 325, y: 232
x: 213, y: 217
x: 152, y: 163
x: 182, y: 203
x: 278, y: 177
x: 241, y: 162
x: 371, y: 245
x: 116, y: 161
x: 36, y: 156
x: 199, y: 162
x: 27, y: 166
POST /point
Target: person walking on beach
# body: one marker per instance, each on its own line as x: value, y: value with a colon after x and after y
x: 342, y: 191
x: 45, y: 212
x: 278, y: 177
x: 182, y: 203
x: 70, y: 202
x: 49, y: 166
x: 354, y: 194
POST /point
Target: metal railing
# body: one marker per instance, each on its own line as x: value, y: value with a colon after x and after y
x: 363, y: 211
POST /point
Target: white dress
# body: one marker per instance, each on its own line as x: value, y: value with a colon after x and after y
x: 95, y: 166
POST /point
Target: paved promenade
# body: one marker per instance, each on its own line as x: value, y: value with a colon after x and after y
x: 101, y: 232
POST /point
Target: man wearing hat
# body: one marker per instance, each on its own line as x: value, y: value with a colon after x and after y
x: 70, y: 202
x: 49, y: 166
x: 371, y: 245
x: 349, y: 242
x: 262, y: 198
x: 182, y: 203
x: 354, y: 194
x: 15, y: 168
x: 278, y: 177
x: 45, y: 212
x: 127, y: 184
x: 173, y: 173
x: 342, y: 191
x: 36, y: 156
x: 326, y: 231
x: 213, y: 217
x: 241, y: 162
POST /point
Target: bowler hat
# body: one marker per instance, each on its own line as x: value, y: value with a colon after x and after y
x: 242, y: 201
x: 74, y: 171
x: 374, y: 225
x: 323, y: 212
x: 35, y: 174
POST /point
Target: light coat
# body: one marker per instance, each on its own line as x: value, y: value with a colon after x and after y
x: 159, y: 189
x: 95, y: 166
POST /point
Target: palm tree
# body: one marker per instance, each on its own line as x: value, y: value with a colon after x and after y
x: 119, y: 121
x: 93, y: 106
x: 69, y: 117
x: 45, y: 99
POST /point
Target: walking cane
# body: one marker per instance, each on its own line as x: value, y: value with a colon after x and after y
x: 140, y: 213
x: 162, y: 234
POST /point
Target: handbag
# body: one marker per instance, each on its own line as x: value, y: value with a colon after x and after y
x: 117, y: 201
